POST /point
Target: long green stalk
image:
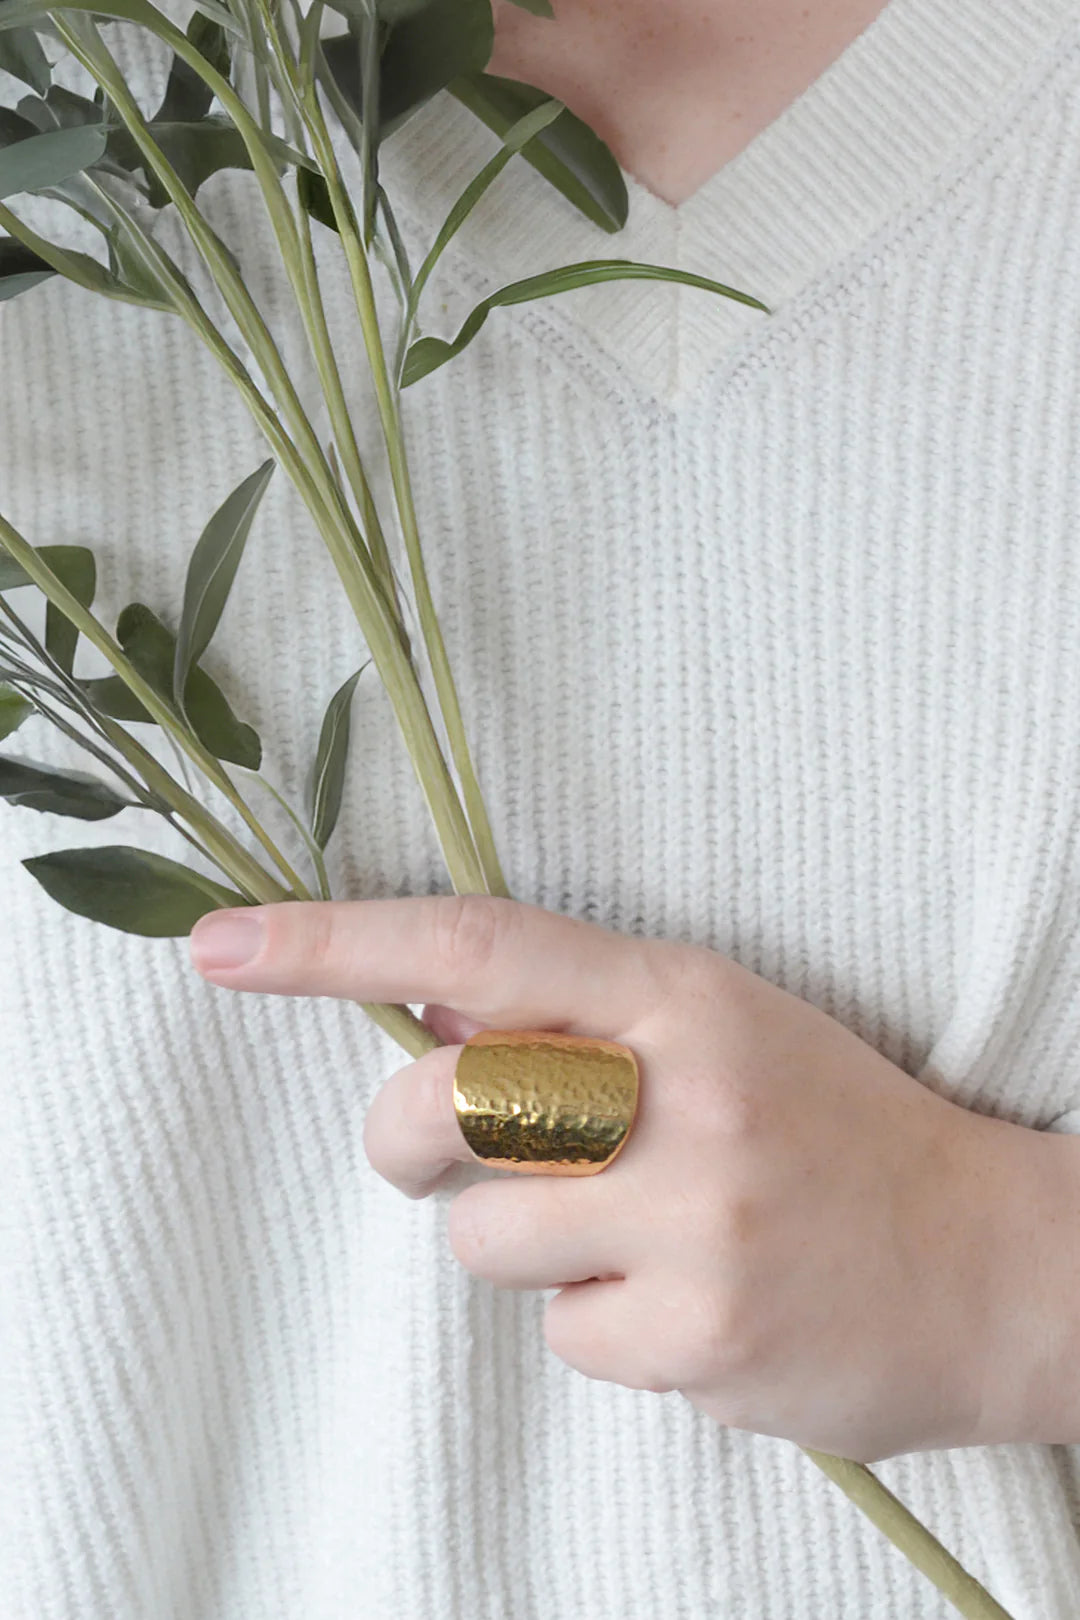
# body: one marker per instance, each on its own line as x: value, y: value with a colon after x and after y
x: 364, y: 293
x: 102, y: 67
x: 315, y: 483
x: 340, y: 417
x: 913, y: 1539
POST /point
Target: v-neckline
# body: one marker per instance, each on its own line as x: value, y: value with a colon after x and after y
x: 870, y: 135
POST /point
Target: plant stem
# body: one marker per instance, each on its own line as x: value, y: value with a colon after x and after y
x: 913, y: 1539
x: 310, y: 845
x: 402, y: 1026
x: 389, y: 417
x: 316, y: 482
x: 298, y: 258
x: 72, y: 609
x: 344, y: 433
x: 102, y: 67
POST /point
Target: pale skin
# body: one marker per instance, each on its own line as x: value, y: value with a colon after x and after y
x: 677, y: 89
x: 798, y: 1236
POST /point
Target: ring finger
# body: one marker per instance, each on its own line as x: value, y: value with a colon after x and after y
x: 518, y: 1231
x: 533, y: 1232
x: 411, y: 1133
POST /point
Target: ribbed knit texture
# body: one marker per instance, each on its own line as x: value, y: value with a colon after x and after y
x: 768, y: 634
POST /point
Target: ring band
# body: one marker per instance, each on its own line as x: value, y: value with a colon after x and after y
x: 545, y: 1104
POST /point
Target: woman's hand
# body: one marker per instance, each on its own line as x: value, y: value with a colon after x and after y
x: 798, y: 1236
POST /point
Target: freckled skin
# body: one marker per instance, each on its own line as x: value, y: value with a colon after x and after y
x: 677, y: 87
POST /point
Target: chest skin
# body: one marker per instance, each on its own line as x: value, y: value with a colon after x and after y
x: 680, y: 90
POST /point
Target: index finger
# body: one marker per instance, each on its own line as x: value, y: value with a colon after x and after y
x: 509, y: 964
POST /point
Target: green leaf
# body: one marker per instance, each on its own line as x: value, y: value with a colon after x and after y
x: 517, y: 138
x: 74, y: 566
x: 328, y: 778
x: 14, y: 709
x: 187, y: 97
x: 396, y: 11
x: 385, y: 11
x: 77, y: 267
x: 62, y: 108
x: 538, y: 8
x: 430, y: 353
x: 131, y: 270
x: 425, y: 50
x: 221, y: 15
x: 195, y: 150
x: 130, y: 889
x: 399, y: 253
x: 47, y: 160
x: 211, y: 572
x: 109, y: 695
x: 21, y: 55
x: 77, y: 559
x: 568, y: 155
x: 17, y: 13
x: 65, y: 109
x: 314, y: 194
x: 152, y: 650
x: 64, y: 793
x: 20, y: 269
x: 12, y: 573
x: 15, y: 126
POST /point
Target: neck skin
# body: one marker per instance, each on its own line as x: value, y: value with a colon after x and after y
x: 677, y: 88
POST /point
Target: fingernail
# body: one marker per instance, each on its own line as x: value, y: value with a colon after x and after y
x: 226, y: 939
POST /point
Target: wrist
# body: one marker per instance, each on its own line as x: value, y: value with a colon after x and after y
x: 1025, y: 1186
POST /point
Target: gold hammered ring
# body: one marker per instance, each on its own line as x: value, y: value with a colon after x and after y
x: 545, y: 1104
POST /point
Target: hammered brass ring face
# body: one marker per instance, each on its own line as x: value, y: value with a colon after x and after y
x: 545, y: 1104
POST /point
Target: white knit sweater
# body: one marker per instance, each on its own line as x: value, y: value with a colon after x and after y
x: 768, y: 633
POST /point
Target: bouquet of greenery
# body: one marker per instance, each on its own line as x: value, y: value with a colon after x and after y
x: 302, y: 95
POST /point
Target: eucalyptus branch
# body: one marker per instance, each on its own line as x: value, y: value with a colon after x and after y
x: 298, y: 258
x: 62, y: 685
x: 344, y: 432
x: 468, y: 871
x: 143, y: 797
x: 289, y: 75
x: 312, y: 847
x: 53, y: 588
x: 93, y: 55
x: 382, y: 628
x: 66, y: 690
x: 364, y: 295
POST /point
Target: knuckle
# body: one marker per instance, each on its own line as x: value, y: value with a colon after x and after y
x: 466, y: 1231
x: 466, y: 930
x: 659, y: 974
x: 708, y: 1340
x: 720, y: 1108
x: 318, y: 946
